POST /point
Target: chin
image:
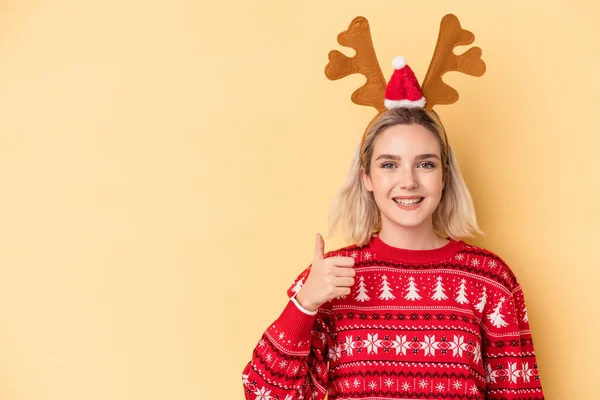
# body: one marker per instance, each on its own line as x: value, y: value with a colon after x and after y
x: 411, y: 221
x: 408, y: 222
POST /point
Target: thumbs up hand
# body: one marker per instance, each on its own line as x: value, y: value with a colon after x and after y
x: 328, y: 278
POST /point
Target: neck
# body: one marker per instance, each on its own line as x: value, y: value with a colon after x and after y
x: 417, y: 238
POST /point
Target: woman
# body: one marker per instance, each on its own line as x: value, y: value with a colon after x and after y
x: 408, y: 311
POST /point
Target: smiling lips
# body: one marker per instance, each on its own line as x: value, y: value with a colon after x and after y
x: 408, y: 201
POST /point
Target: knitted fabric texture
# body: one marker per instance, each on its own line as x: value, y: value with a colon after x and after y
x: 447, y: 323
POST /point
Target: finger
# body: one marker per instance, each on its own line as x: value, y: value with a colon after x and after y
x: 342, y: 291
x: 341, y: 261
x: 319, y: 248
x: 344, y: 281
x: 344, y: 272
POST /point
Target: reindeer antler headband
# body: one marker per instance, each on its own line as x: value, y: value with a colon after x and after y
x: 403, y: 89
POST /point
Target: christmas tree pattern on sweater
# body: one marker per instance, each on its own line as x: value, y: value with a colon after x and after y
x: 448, y: 324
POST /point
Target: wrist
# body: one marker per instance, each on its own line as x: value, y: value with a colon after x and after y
x: 304, y: 303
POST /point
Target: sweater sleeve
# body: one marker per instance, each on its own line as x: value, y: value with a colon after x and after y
x: 509, y: 360
x: 290, y: 359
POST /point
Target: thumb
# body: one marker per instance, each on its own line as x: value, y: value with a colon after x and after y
x: 319, y: 248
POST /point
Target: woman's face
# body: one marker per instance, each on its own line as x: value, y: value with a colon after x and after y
x: 406, y: 176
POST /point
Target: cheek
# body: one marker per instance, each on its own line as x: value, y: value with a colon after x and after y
x: 434, y: 183
x: 382, y: 184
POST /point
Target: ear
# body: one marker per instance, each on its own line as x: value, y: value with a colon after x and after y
x: 366, y: 180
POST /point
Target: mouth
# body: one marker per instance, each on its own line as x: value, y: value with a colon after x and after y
x: 409, y: 202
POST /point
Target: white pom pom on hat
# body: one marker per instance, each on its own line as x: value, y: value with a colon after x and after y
x: 399, y: 62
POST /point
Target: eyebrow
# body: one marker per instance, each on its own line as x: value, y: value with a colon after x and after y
x: 397, y: 158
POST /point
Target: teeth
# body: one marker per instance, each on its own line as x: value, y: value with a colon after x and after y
x: 408, y: 202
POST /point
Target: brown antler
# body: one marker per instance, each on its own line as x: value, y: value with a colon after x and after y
x: 444, y: 60
x: 358, y: 37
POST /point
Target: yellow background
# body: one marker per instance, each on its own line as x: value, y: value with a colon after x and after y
x: 165, y: 166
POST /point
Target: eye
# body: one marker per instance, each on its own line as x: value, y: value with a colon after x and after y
x: 427, y: 164
x: 388, y: 165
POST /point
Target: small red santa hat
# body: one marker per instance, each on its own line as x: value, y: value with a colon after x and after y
x: 403, y: 89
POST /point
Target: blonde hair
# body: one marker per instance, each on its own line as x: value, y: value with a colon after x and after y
x: 354, y: 208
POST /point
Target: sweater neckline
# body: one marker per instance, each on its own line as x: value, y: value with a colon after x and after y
x: 383, y: 249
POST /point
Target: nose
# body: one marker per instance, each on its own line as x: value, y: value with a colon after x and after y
x: 408, y: 179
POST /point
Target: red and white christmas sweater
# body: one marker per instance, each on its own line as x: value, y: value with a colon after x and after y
x: 447, y: 323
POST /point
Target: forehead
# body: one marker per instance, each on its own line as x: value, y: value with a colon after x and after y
x: 406, y: 140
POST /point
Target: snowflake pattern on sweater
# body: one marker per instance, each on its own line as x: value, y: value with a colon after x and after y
x: 447, y: 323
